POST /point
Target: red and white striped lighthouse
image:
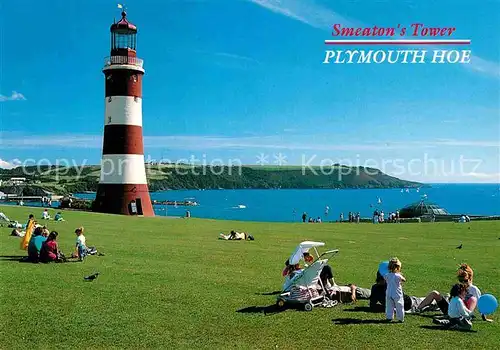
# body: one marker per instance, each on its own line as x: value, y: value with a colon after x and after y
x: 123, y: 187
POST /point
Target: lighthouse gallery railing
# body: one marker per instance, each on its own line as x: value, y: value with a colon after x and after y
x: 123, y: 60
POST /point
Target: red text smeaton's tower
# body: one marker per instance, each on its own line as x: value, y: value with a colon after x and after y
x: 123, y: 188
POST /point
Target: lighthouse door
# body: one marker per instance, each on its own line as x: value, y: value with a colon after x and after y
x: 138, y: 202
x: 133, y: 208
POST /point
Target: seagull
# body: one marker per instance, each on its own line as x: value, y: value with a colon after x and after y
x: 460, y: 246
x: 91, y: 277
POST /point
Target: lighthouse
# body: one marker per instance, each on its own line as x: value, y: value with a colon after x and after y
x: 123, y: 187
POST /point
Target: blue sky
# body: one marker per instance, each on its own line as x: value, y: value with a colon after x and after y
x: 233, y: 79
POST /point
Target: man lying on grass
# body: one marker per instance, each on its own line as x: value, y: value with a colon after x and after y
x: 236, y: 236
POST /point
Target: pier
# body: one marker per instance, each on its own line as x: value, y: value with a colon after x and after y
x: 16, y: 198
x: 13, y: 198
x: 178, y: 203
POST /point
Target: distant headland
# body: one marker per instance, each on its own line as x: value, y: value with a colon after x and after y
x: 64, y: 180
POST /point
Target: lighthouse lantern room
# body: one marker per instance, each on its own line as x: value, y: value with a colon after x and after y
x: 123, y: 187
x: 123, y: 37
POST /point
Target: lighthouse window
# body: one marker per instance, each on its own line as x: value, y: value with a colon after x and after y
x: 109, y: 99
x: 124, y: 41
x: 134, y: 78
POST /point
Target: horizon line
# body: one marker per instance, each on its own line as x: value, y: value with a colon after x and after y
x: 398, y: 42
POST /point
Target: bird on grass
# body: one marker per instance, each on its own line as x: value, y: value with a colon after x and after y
x: 91, y: 277
x: 460, y: 246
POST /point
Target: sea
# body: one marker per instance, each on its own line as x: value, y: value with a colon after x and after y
x: 287, y: 205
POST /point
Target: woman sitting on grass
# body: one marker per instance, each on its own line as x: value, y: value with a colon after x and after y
x: 35, y: 245
x: 50, y: 250
x: 465, y: 275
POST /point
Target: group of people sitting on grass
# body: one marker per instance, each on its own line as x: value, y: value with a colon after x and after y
x: 57, y: 217
x: 457, y: 306
x: 43, y: 246
x: 19, y: 230
x: 386, y: 294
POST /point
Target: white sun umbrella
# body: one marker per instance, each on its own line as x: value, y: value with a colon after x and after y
x: 302, y: 248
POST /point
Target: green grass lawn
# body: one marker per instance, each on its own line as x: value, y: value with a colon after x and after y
x: 172, y: 284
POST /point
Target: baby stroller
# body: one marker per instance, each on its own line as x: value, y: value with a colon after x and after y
x: 302, y: 288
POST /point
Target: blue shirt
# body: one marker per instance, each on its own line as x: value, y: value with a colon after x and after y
x: 36, y: 244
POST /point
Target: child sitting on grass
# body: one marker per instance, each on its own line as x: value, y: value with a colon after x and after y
x: 58, y: 217
x: 459, y: 314
x: 394, y: 293
x: 45, y: 215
